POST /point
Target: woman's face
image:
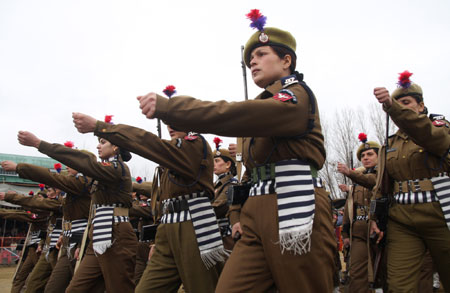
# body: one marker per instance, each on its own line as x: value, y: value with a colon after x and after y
x: 71, y: 171
x: 105, y: 149
x: 369, y: 158
x: 267, y: 67
x: 175, y: 134
x: 220, y: 166
x: 411, y: 103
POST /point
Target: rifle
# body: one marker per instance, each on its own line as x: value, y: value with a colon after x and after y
x: 158, y: 127
x: 379, y: 210
x: 239, y: 139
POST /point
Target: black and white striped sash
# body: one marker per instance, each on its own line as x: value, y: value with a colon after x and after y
x: 415, y: 197
x: 76, y: 226
x: 102, y: 226
x: 205, y: 225
x: 55, y: 233
x: 294, y: 186
x: 34, y: 237
x: 441, y: 186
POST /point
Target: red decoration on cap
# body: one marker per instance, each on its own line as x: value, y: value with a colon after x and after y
x: 217, y: 141
x: 138, y: 179
x: 31, y: 193
x: 69, y: 144
x: 170, y: 91
x: 258, y: 20
x: 362, y: 137
x: 403, y: 79
x: 108, y: 118
x: 58, y: 167
x: 41, y: 186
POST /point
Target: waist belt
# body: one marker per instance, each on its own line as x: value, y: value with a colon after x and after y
x: 362, y: 213
x: 120, y: 212
x: 415, y: 185
x: 175, y: 206
x: 417, y: 190
x: 176, y: 210
x: 67, y: 226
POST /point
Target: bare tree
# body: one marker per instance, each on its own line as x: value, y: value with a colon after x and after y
x: 378, y: 122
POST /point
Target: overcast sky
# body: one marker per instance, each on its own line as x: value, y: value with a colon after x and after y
x: 95, y: 57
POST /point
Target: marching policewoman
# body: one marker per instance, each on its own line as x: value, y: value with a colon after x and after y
x: 418, y: 163
x: 287, y: 240
x: 110, y: 256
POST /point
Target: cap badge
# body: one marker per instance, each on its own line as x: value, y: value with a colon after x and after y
x: 218, y: 153
x: 263, y: 38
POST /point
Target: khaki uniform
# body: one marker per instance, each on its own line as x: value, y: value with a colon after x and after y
x: 115, y: 267
x: 221, y: 206
x: 43, y: 268
x: 361, y: 195
x: 415, y: 152
x: 176, y: 258
x: 75, y: 206
x: 38, y: 222
x: 256, y: 263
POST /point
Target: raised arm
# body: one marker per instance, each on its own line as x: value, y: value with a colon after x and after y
x: 262, y: 117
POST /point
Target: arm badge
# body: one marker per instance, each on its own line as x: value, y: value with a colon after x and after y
x: 191, y: 136
x: 285, y: 95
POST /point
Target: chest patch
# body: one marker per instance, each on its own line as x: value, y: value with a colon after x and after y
x: 285, y: 95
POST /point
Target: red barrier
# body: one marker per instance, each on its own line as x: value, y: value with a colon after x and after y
x: 8, y: 253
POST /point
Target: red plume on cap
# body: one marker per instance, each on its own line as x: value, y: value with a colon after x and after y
x: 108, y: 118
x: 58, y: 167
x: 31, y: 193
x: 69, y: 144
x: 362, y: 137
x: 170, y: 91
x: 403, y: 79
x: 41, y: 186
x: 258, y: 20
x: 138, y: 179
x: 217, y: 141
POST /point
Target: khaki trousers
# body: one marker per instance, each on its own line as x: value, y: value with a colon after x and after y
x: 177, y: 260
x: 62, y: 273
x: 141, y: 260
x: 257, y: 264
x: 25, y: 269
x: 114, y: 268
x: 359, y: 281
x: 412, y: 229
x: 41, y: 272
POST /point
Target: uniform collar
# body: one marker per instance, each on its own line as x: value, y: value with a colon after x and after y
x: 278, y: 85
x: 402, y: 134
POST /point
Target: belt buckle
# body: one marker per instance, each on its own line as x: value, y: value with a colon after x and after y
x: 417, y: 185
x: 167, y: 206
x: 410, y: 185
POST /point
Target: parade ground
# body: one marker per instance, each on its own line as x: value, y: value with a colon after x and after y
x: 6, y: 275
